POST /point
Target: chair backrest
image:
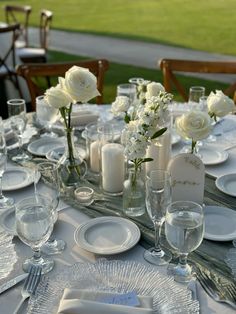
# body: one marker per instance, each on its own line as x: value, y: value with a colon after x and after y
x: 44, y: 27
x: 8, y: 36
x: 34, y: 71
x: 170, y: 66
x: 16, y: 14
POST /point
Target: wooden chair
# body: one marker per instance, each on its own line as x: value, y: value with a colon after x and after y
x: 170, y: 66
x: 33, y: 72
x: 32, y: 55
x: 16, y: 14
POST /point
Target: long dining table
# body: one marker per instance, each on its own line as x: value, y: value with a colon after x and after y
x: 72, y: 215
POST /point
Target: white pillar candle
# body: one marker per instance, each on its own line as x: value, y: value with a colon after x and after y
x: 113, y: 167
x: 94, y: 156
x: 160, y: 152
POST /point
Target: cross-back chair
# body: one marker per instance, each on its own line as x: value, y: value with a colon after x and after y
x: 169, y: 68
x: 16, y: 14
x: 31, y: 55
x: 33, y: 72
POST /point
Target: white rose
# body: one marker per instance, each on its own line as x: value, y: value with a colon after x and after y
x: 120, y: 105
x: 195, y: 125
x: 81, y: 84
x: 153, y: 89
x: 56, y: 97
x: 219, y: 104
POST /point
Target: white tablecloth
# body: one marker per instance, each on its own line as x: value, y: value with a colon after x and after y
x: 69, y: 220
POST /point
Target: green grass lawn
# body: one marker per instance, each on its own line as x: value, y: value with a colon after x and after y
x: 119, y: 73
x: 197, y: 24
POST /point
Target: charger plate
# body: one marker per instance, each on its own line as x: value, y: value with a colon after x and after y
x: 116, y: 277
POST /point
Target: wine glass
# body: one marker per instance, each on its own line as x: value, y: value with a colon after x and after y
x: 184, y: 229
x: 47, y: 176
x: 5, y: 202
x: 18, y: 121
x: 158, y: 197
x: 34, y: 224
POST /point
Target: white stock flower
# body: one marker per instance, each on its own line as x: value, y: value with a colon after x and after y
x: 195, y: 125
x: 81, y: 84
x: 153, y: 89
x: 120, y: 105
x: 56, y: 97
x: 135, y: 145
x: 219, y: 104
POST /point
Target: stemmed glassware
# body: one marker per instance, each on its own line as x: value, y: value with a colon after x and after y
x: 184, y: 229
x: 4, y: 201
x: 47, y: 175
x: 34, y: 224
x: 17, y: 114
x: 158, y: 197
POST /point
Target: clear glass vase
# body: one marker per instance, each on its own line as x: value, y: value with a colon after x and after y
x: 134, y: 194
x: 71, y: 166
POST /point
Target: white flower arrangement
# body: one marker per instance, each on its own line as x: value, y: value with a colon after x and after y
x: 194, y: 125
x: 219, y: 104
x: 142, y: 123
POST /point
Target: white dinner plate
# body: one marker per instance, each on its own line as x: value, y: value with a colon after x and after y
x: 7, y: 221
x: 220, y: 223
x: 56, y: 153
x: 211, y: 156
x: 15, y: 178
x: 227, y: 184
x: 41, y: 146
x: 107, y: 235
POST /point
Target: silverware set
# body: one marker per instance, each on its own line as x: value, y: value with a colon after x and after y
x: 30, y: 285
x: 220, y: 291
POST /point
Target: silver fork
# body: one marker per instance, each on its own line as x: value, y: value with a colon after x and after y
x: 30, y: 285
x: 210, y: 287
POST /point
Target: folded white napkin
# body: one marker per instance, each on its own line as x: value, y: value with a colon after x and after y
x: 83, y: 117
x: 78, y: 301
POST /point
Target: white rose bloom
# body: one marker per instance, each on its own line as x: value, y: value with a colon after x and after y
x: 56, y: 97
x: 81, y: 84
x: 219, y: 104
x: 153, y: 89
x: 120, y: 105
x: 195, y: 125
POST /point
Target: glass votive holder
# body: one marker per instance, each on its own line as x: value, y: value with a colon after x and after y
x: 93, y: 148
x: 84, y: 195
x: 195, y: 93
x: 128, y: 90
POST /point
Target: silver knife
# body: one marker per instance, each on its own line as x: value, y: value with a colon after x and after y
x: 12, y: 282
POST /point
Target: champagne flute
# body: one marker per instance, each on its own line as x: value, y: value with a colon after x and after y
x: 48, y: 185
x: 34, y: 224
x: 5, y: 202
x: 184, y: 229
x: 18, y: 121
x: 158, y: 197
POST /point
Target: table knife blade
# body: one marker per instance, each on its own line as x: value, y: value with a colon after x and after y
x: 12, y: 282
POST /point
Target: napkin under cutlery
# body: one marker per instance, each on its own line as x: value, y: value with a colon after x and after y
x: 78, y: 301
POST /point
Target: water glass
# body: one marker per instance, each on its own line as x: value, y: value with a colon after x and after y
x: 34, y: 224
x: 48, y: 185
x: 158, y: 197
x: 16, y: 107
x: 46, y: 115
x: 184, y: 229
x: 5, y: 202
x: 128, y: 90
x: 195, y: 93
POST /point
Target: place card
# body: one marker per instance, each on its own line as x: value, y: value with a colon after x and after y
x: 187, y: 177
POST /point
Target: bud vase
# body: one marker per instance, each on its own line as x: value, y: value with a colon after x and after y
x: 134, y: 194
x: 71, y: 166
